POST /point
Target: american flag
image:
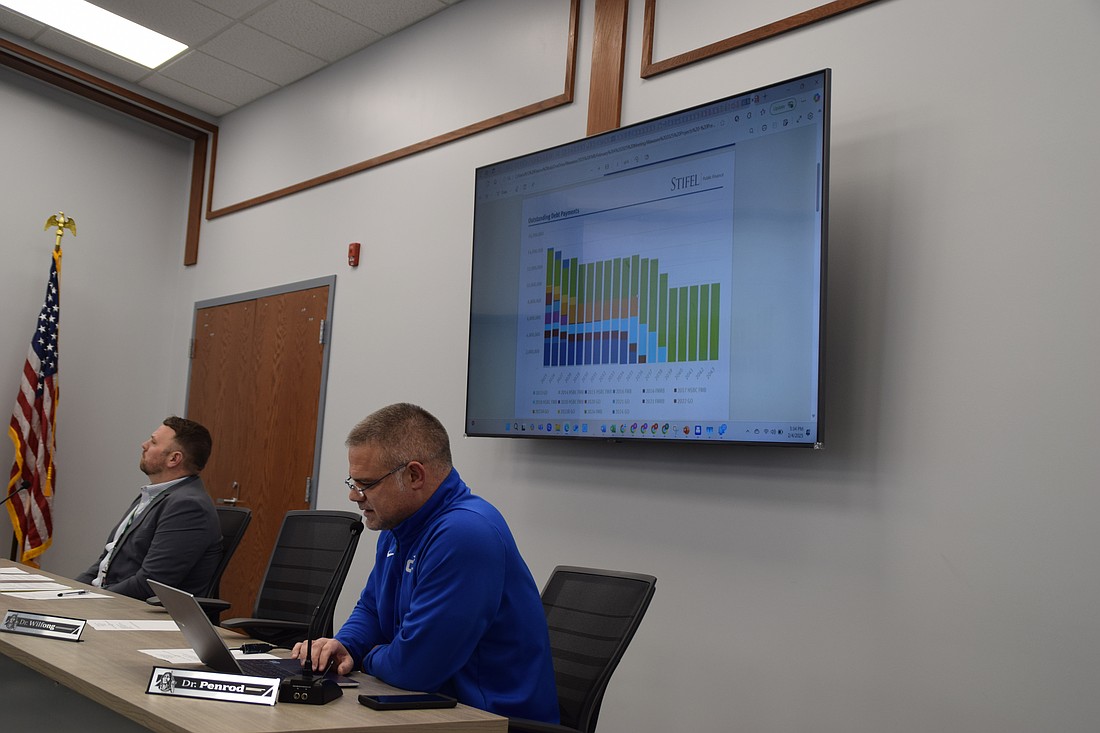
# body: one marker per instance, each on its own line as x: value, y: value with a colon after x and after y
x: 32, y: 430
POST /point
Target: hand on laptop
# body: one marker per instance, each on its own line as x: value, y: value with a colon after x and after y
x: 326, y: 651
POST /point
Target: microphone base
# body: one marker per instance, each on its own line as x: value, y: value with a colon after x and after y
x: 309, y: 690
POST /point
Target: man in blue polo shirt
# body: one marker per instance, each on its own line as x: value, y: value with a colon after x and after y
x: 450, y: 605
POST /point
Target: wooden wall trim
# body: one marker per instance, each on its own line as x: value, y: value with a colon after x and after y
x: 566, y: 97
x: 605, y: 90
x: 391, y: 156
x: 130, y: 103
x: 652, y: 68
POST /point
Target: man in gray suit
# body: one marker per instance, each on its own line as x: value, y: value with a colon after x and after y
x: 170, y: 533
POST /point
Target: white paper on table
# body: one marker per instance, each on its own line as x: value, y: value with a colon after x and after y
x: 33, y: 586
x: 107, y: 624
x: 173, y: 656
x: 22, y: 578
x: 12, y: 571
x: 41, y: 595
x: 188, y: 656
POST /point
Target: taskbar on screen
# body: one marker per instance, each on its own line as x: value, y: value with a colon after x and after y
x: 713, y: 431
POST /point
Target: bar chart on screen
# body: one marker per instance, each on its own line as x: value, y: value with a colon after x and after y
x: 615, y: 317
x: 623, y: 311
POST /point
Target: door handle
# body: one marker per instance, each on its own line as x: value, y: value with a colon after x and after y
x: 232, y: 501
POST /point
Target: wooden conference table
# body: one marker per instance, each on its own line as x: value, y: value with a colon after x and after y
x: 99, y: 683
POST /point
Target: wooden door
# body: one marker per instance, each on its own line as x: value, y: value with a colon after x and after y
x: 256, y: 375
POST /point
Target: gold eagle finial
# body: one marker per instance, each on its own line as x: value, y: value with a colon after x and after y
x: 62, y: 223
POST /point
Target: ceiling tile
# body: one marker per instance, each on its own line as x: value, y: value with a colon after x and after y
x: 217, y: 78
x: 313, y: 29
x: 234, y: 8
x: 384, y: 16
x: 188, y: 95
x: 266, y: 57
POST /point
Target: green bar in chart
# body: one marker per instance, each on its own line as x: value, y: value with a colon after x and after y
x: 622, y: 310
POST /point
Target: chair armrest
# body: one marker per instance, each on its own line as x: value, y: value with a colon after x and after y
x: 213, y: 604
x: 207, y: 604
x: 265, y: 623
x: 523, y: 725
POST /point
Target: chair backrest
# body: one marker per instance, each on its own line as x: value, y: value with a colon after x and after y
x: 310, y: 560
x: 234, y: 521
x: 592, y: 615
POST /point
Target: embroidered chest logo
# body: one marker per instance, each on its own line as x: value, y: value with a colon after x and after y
x: 410, y: 564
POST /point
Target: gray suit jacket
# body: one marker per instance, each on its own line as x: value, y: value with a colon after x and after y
x: 176, y: 540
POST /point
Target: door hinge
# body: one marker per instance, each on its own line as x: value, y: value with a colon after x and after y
x: 321, y: 338
x: 309, y: 488
x: 191, y: 350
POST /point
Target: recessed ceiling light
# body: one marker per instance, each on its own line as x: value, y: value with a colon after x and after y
x: 102, y: 28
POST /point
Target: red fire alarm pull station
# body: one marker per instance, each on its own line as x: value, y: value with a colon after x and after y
x: 353, y: 254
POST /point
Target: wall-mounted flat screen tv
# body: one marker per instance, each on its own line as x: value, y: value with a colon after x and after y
x: 663, y: 281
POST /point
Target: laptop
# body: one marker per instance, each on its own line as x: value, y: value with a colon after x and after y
x: 211, y: 648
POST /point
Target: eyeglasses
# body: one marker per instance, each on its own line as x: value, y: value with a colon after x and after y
x: 360, y: 487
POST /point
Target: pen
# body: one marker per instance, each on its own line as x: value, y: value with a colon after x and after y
x: 72, y: 593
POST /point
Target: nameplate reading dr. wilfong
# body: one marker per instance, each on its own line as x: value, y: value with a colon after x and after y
x: 37, y: 624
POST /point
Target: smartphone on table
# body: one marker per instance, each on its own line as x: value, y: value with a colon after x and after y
x: 407, y: 701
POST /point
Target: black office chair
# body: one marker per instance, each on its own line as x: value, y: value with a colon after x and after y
x: 592, y: 615
x: 233, y: 522
x: 308, y: 565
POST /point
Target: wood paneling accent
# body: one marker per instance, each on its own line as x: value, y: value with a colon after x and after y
x: 605, y: 90
x: 798, y: 20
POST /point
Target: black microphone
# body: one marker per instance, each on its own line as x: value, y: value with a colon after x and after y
x: 26, y: 485
x: 305, y: 688
x: 307, y: 666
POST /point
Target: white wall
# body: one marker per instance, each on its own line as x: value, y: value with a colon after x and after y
x: 933, y: 568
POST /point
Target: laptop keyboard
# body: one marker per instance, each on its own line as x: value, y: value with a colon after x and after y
x: 267, y: 668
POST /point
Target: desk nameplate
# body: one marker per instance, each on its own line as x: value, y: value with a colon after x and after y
x: 38, y: 624
x: 213, y: 686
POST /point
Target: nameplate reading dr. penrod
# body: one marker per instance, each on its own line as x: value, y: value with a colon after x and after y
x: 37, y: 624
x: 213, y: 686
